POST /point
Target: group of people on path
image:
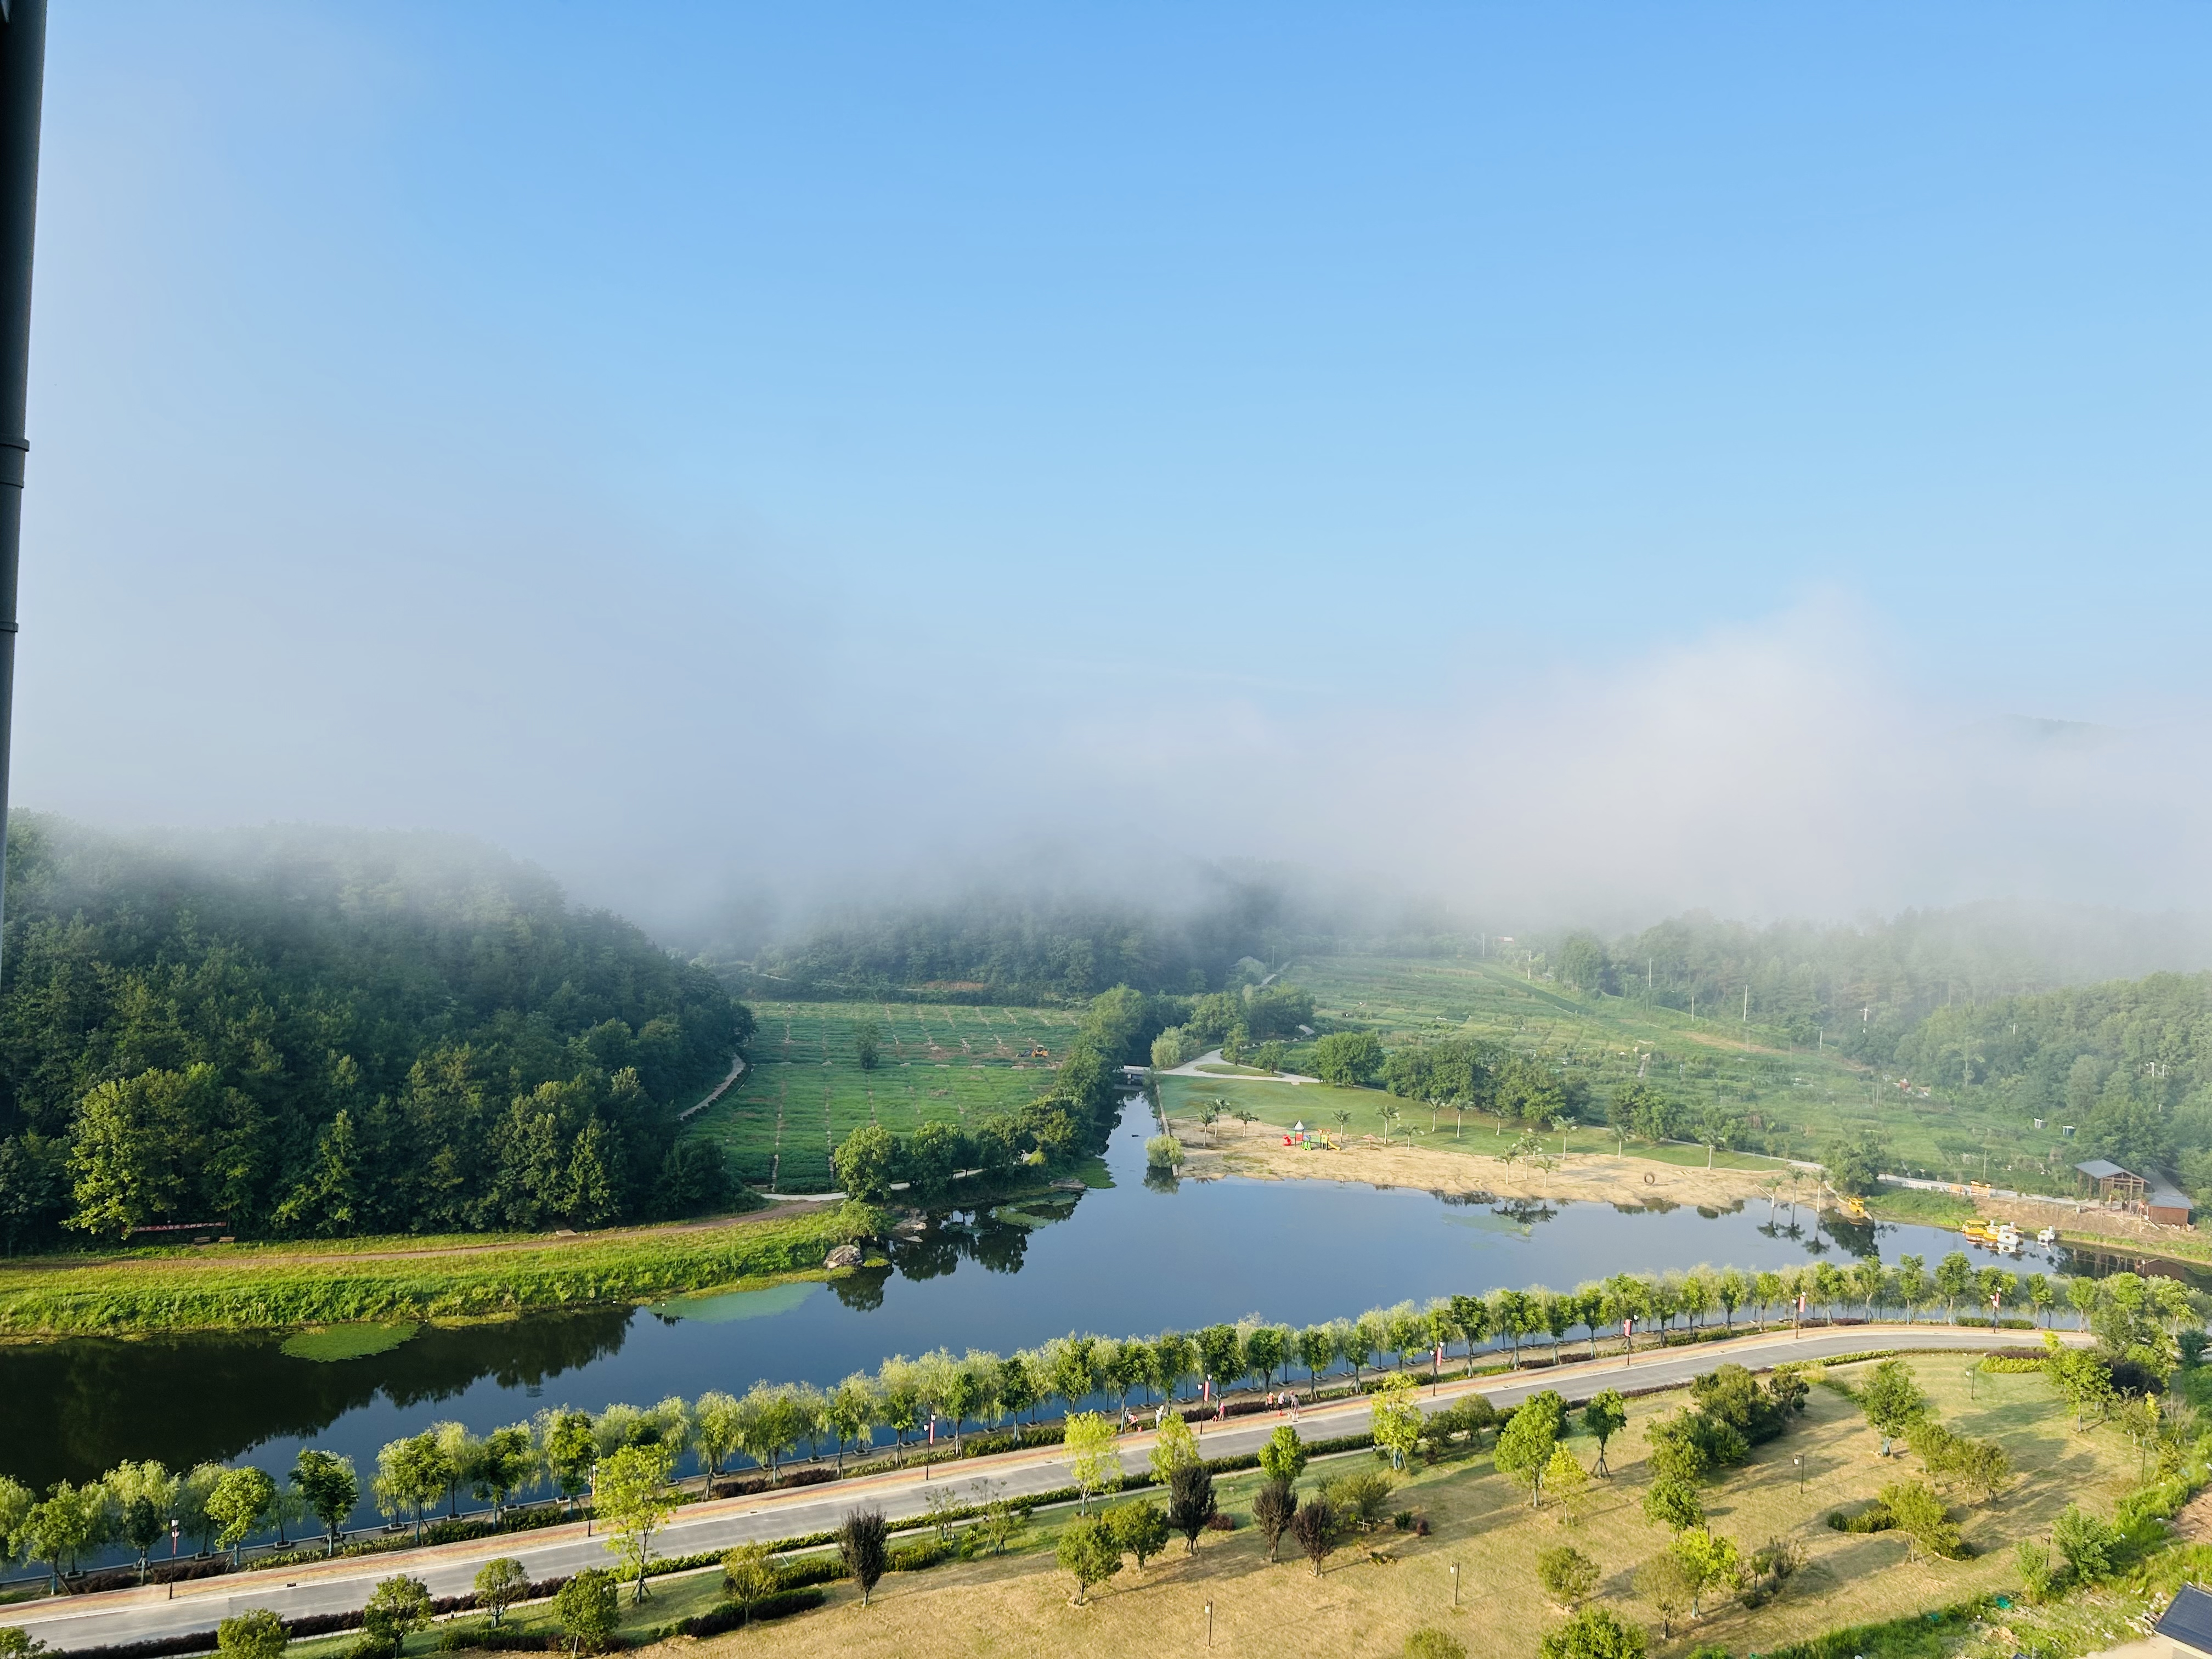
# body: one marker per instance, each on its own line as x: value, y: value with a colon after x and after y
x: 1284, y: 1403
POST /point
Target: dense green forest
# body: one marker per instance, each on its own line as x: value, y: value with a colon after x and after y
x: 2128, y: 1064
x: 317, y: 1033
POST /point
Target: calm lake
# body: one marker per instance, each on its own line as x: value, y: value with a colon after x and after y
x: 1129, y: 1258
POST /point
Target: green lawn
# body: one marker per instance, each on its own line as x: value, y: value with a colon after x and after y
x: 1376, y: 1589
x: 806, y: 1091
x: 1803, y: 1098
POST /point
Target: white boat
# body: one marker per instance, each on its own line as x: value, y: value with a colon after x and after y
x: 2047, y: 1237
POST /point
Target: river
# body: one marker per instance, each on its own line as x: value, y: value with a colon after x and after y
x: 1133, y: 1257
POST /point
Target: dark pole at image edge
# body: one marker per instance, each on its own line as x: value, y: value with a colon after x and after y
x: 22, y: 80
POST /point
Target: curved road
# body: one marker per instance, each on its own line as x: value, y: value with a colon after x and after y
x: 341, y: 1586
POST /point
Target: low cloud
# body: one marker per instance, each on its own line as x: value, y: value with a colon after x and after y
x: 1782, y: 769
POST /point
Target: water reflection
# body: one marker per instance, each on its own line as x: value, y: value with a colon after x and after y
x: 1141, y: 1256
x: 74, y: 1408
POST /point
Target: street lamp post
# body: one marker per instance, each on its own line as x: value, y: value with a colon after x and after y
x: 1209, y: 1624
x: 1455, y: 1570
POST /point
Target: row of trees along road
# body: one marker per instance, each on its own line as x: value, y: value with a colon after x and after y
x: 2139, y: 1322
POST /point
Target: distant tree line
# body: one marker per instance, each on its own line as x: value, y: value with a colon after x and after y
x: 323, y: 1034
x: 1863, y: 987
x: 1011, y: 949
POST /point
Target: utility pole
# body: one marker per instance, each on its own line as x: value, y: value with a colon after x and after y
x: 22, y: 87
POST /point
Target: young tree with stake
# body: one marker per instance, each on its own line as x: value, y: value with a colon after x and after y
x: 633, y: 1500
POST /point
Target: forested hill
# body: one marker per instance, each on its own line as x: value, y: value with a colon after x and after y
x: 2128, y: 1064
x: 309, y: 1032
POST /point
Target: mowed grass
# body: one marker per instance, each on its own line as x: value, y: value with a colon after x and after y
x: 1482, y: 1522
x: 805, y: 1089
x: 1809, y: 1095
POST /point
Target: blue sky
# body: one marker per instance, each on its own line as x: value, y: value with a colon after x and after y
x: 732, y: 441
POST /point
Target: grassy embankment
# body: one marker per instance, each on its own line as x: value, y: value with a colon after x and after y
x: 396, y: 1281
x: 806, y: 1090
x: 1482, y: 1522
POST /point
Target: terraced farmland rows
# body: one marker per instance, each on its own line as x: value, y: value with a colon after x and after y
x: 805, y: 1089
x: 1816, y: 1095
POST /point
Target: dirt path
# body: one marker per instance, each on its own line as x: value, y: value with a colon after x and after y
x: 1256, y: 1149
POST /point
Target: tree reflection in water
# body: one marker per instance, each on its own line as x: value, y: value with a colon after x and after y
x: 72, y: 1409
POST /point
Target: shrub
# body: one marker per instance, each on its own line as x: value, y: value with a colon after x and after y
x: 398, y: 1605
x: 587, y: 1608
x: 1918, y: 1513
x: 1674, y: 1503
x: 1089, y: 1550
x: 256, y: 1635
x: 1362, y: 1499
x: 920, y: 1557
x: 750, y: 1573
x: 1875, y: 1517
x: 1566, y: 1574
x: 1593, y: 1634
x: 1430, y: 1643
x: 499, y: 1583
x: 1139, y: 1529
x: 2091, y: 1547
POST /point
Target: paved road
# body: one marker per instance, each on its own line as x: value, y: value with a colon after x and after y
x: 342, y: 1586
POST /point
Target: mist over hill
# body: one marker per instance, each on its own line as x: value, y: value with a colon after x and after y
x: 304, y: 1030
x: 1006, y: 943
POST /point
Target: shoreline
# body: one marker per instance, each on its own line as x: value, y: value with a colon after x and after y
x: 1254, y: 1151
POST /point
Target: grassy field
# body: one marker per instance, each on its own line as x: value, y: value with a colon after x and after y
x: 249, y: 1287
x: 1480, y: 1521
x: 1805, y: 1098
x: 806, y: 1090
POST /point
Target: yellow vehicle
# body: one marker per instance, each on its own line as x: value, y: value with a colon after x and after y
x: 1999, y: 1236
x: 1855, y: 1207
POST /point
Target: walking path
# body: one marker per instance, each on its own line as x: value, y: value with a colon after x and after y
x: 136, y: 1615
x: 1212, y: 1057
